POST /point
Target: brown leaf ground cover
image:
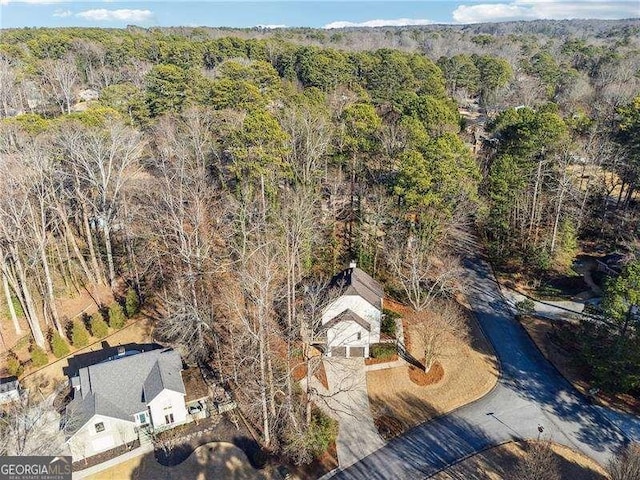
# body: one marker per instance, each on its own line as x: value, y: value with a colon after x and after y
x: 469, y: 372
x: 562, y: 355
x: 499, y: 462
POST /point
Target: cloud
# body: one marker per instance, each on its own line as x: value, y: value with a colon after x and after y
x: 62, y: 13
x: 398, y: 22
x: 545, y: 9
x: 121, y: 15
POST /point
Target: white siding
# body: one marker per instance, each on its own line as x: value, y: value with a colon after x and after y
x: 87, y: 442
x: 359, y: 306
x: 167, y: 402
x: 345, y: 334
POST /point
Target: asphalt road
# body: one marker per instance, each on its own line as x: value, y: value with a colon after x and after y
x: 529, y: 393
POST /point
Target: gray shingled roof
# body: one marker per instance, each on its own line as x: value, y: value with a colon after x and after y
x: 124, y: 386
x: 345, y: 316
x: 358, y: 282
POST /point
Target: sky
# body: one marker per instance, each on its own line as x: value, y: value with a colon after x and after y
x: 300, y: 13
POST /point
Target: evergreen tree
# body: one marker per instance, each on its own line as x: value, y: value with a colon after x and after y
x: 116, y: 316
x: 132, y: 303
x: 79, y: 334
x: 98, y: 326
x: 59, y: 346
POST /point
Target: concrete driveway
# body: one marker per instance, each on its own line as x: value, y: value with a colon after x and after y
x: 348, y: 402
x: 529, y: 393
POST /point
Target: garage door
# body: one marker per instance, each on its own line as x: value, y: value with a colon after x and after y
x: 356, y: 351
x: 338, y: 351
x: 102, y: 443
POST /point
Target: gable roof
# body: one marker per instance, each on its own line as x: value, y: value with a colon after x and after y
x: 358, y: 282
x: 346, y: 316
x: 122, y: 387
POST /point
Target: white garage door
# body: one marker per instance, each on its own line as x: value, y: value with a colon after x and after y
x: 102, y: 443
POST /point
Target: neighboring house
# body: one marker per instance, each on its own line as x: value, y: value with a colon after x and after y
x: 352, y: 321
x: 115, y: 398
x: 9, y: 390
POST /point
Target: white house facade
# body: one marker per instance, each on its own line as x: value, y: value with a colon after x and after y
x: 114, y: 399
x: 352, y: 321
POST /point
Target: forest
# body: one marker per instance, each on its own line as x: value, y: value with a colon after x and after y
x: 220, y: 177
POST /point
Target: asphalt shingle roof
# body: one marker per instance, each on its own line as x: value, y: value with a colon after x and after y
x: 124, y: 386
x: 358, y: 282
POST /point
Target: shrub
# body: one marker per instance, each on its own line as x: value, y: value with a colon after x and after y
x: 526, y: 306
x: 38, y: 356
x: 79, y: 334
x: 98, y: 326
x: 388, y: 325
x: 116, y: 316
x: 59, y: 346
x: 382, y: 350
x: 14, y: 366
x: 324, y: 431
x: 303, y: 448
x: 131, y: 303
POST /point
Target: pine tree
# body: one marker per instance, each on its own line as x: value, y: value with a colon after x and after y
x: 14, y: 366
x: 98, y: 326
x: 116, y: 316
x: 79, y: 334
x: 38, y: 356
x: 59, y: 346
x: 132, y: 303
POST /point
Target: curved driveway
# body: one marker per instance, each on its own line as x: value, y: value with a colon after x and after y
x: 530, y: 392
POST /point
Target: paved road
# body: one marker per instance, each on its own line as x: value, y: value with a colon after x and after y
x: 529, y: 393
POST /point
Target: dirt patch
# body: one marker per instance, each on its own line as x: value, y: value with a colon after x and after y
x: 469, y: 372
x: 547, y: 336
x: 69, y: 307
x: 321, y: 375
x: 499, y: 463
x: 422, y: 378
x: 46, y: 378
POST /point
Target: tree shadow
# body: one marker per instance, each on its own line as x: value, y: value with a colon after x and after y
x: 422, y: 450
x: 107, y: 351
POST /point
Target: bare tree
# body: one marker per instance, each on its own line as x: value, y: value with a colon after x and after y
x: 60, y: 78
x: 421, y: 273
x: 538, y: 463
x: 31, y: 426
x: 626, y: 464
x: 436, y: 331
x: 101, y: 161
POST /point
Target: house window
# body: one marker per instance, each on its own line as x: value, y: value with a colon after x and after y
x: 359, y: 336
x: 99, y: 427
x: 168, y: 418
x: 142, y: 418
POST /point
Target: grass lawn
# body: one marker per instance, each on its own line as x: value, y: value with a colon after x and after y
x: 541, y: 332
x: 397, y: 403
x: 211, y: 460
x: 498, y: 463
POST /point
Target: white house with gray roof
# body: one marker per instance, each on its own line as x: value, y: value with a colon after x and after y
x: 352, y: 321
x: 115, y: 398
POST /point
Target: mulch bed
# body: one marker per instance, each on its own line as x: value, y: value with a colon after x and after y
x: 104, y: 456
x: 419, y: 377
x: 316, y: 469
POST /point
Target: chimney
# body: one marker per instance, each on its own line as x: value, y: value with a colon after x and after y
x: 121, y: 351
x: 352, y: 264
